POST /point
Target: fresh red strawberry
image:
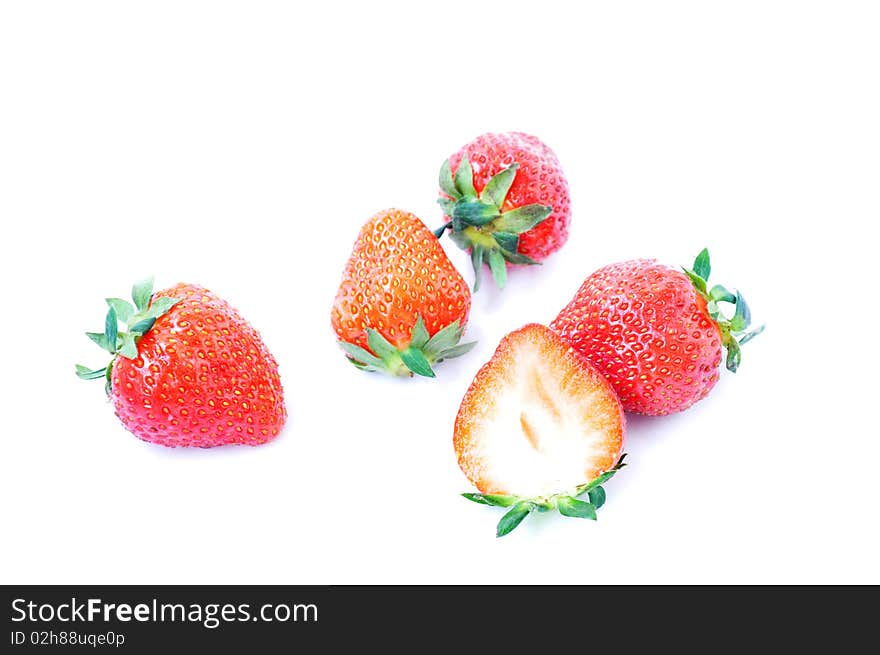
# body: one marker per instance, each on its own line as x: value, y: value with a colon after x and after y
x: 538, y: 427
x: 655, y: 332
x: 506, y: 201
x: 189, y: 370
x: 402, y: 306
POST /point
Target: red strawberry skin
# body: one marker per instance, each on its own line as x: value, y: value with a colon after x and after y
x: 539, y: 179
x: 203, y: 377
x: 644, y: 326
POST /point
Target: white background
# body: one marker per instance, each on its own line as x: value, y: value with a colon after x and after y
x: 242, y: 145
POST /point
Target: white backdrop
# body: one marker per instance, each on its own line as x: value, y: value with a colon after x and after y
x: 242, y: 145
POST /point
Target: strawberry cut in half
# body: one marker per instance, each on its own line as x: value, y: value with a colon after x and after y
x: 506, y: 201
x: 188, y: 370
x: 538, y: 429
x: 401, y: 306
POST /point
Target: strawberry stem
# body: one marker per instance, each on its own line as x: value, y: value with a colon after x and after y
x: 440, y: 230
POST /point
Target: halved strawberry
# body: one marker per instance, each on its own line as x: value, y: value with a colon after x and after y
x: 538, y: 427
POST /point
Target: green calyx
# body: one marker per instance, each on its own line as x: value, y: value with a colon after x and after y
x: 734, y: 330
x: 137, y: 318
x: 418, y: 357
x: 566, y: 504
x: 477, y: 222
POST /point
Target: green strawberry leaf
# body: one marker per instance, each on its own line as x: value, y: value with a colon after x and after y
x: 123, y: 308
x: 128, y: 348
x: 720, y: 294
x: 111, y: 329
x: 497, y: 500
x: 473, y: 213
x: 477, y: 261
x: 380, y: 345
x: 161, y: 306
x: 101, y: 339
x: 522, y: 219
x: 702, y: 266
x: 419, y: 336
x: 748, y: 336
x: 464, y: 179
x: 360, y: 355
x: 742, y: 317
x: 416, y: 362
x: 142, y: 326
x: 141, y: 292
x: 506, y: 240
x: 595, y: 482
x: 447, y: 185
x: 519, y: 258
x: 361, y: 366
x: 597, y: 497
x: 514, y: 517
x: 86, y: 373
x: 573, y: 507
x: 443, y: 339
x: 712, y: 308
x: 734, y: 355
x: 456, y: 351
x: 496, y: 189
x: 699, y: 283
x: 498, y: 268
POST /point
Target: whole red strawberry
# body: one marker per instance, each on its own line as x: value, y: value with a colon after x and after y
x: 655, y: 332
x: 506, y: 201
x: 189, y: 370
x: 401, y: 306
